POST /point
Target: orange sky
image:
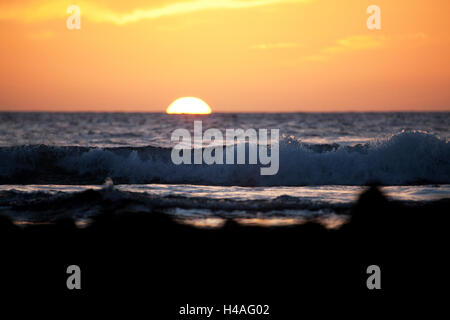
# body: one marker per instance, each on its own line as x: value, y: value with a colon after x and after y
x: 237, y: 55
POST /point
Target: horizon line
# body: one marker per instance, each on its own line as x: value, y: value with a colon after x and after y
x: 226, y: 112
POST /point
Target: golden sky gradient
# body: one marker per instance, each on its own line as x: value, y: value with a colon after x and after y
x: 237, y: 55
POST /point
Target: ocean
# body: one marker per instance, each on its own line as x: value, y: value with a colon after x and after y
x: 49, y: 160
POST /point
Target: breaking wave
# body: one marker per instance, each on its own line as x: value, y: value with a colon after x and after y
x: 407, y: 158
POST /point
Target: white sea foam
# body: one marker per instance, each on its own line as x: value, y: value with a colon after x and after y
x: 407, y: 158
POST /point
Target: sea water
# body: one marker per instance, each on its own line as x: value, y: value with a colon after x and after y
x: 326, y: 160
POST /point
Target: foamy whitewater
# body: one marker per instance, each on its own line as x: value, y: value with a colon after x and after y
x: 325, y: 162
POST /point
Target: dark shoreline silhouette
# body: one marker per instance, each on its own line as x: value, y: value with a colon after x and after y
x: 149, y: 256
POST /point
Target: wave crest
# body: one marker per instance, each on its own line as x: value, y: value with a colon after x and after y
x: 406, y: 158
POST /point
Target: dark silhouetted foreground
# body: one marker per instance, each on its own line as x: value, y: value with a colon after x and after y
x: 153, y: 261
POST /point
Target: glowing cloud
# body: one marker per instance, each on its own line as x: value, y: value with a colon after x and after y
x: 46, y: 10
x: 354, y: 43
x: 281, y: 45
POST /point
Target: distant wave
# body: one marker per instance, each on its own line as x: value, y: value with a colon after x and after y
x: 407, y: 158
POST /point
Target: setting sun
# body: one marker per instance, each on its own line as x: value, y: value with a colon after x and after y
x: 189, y: 105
